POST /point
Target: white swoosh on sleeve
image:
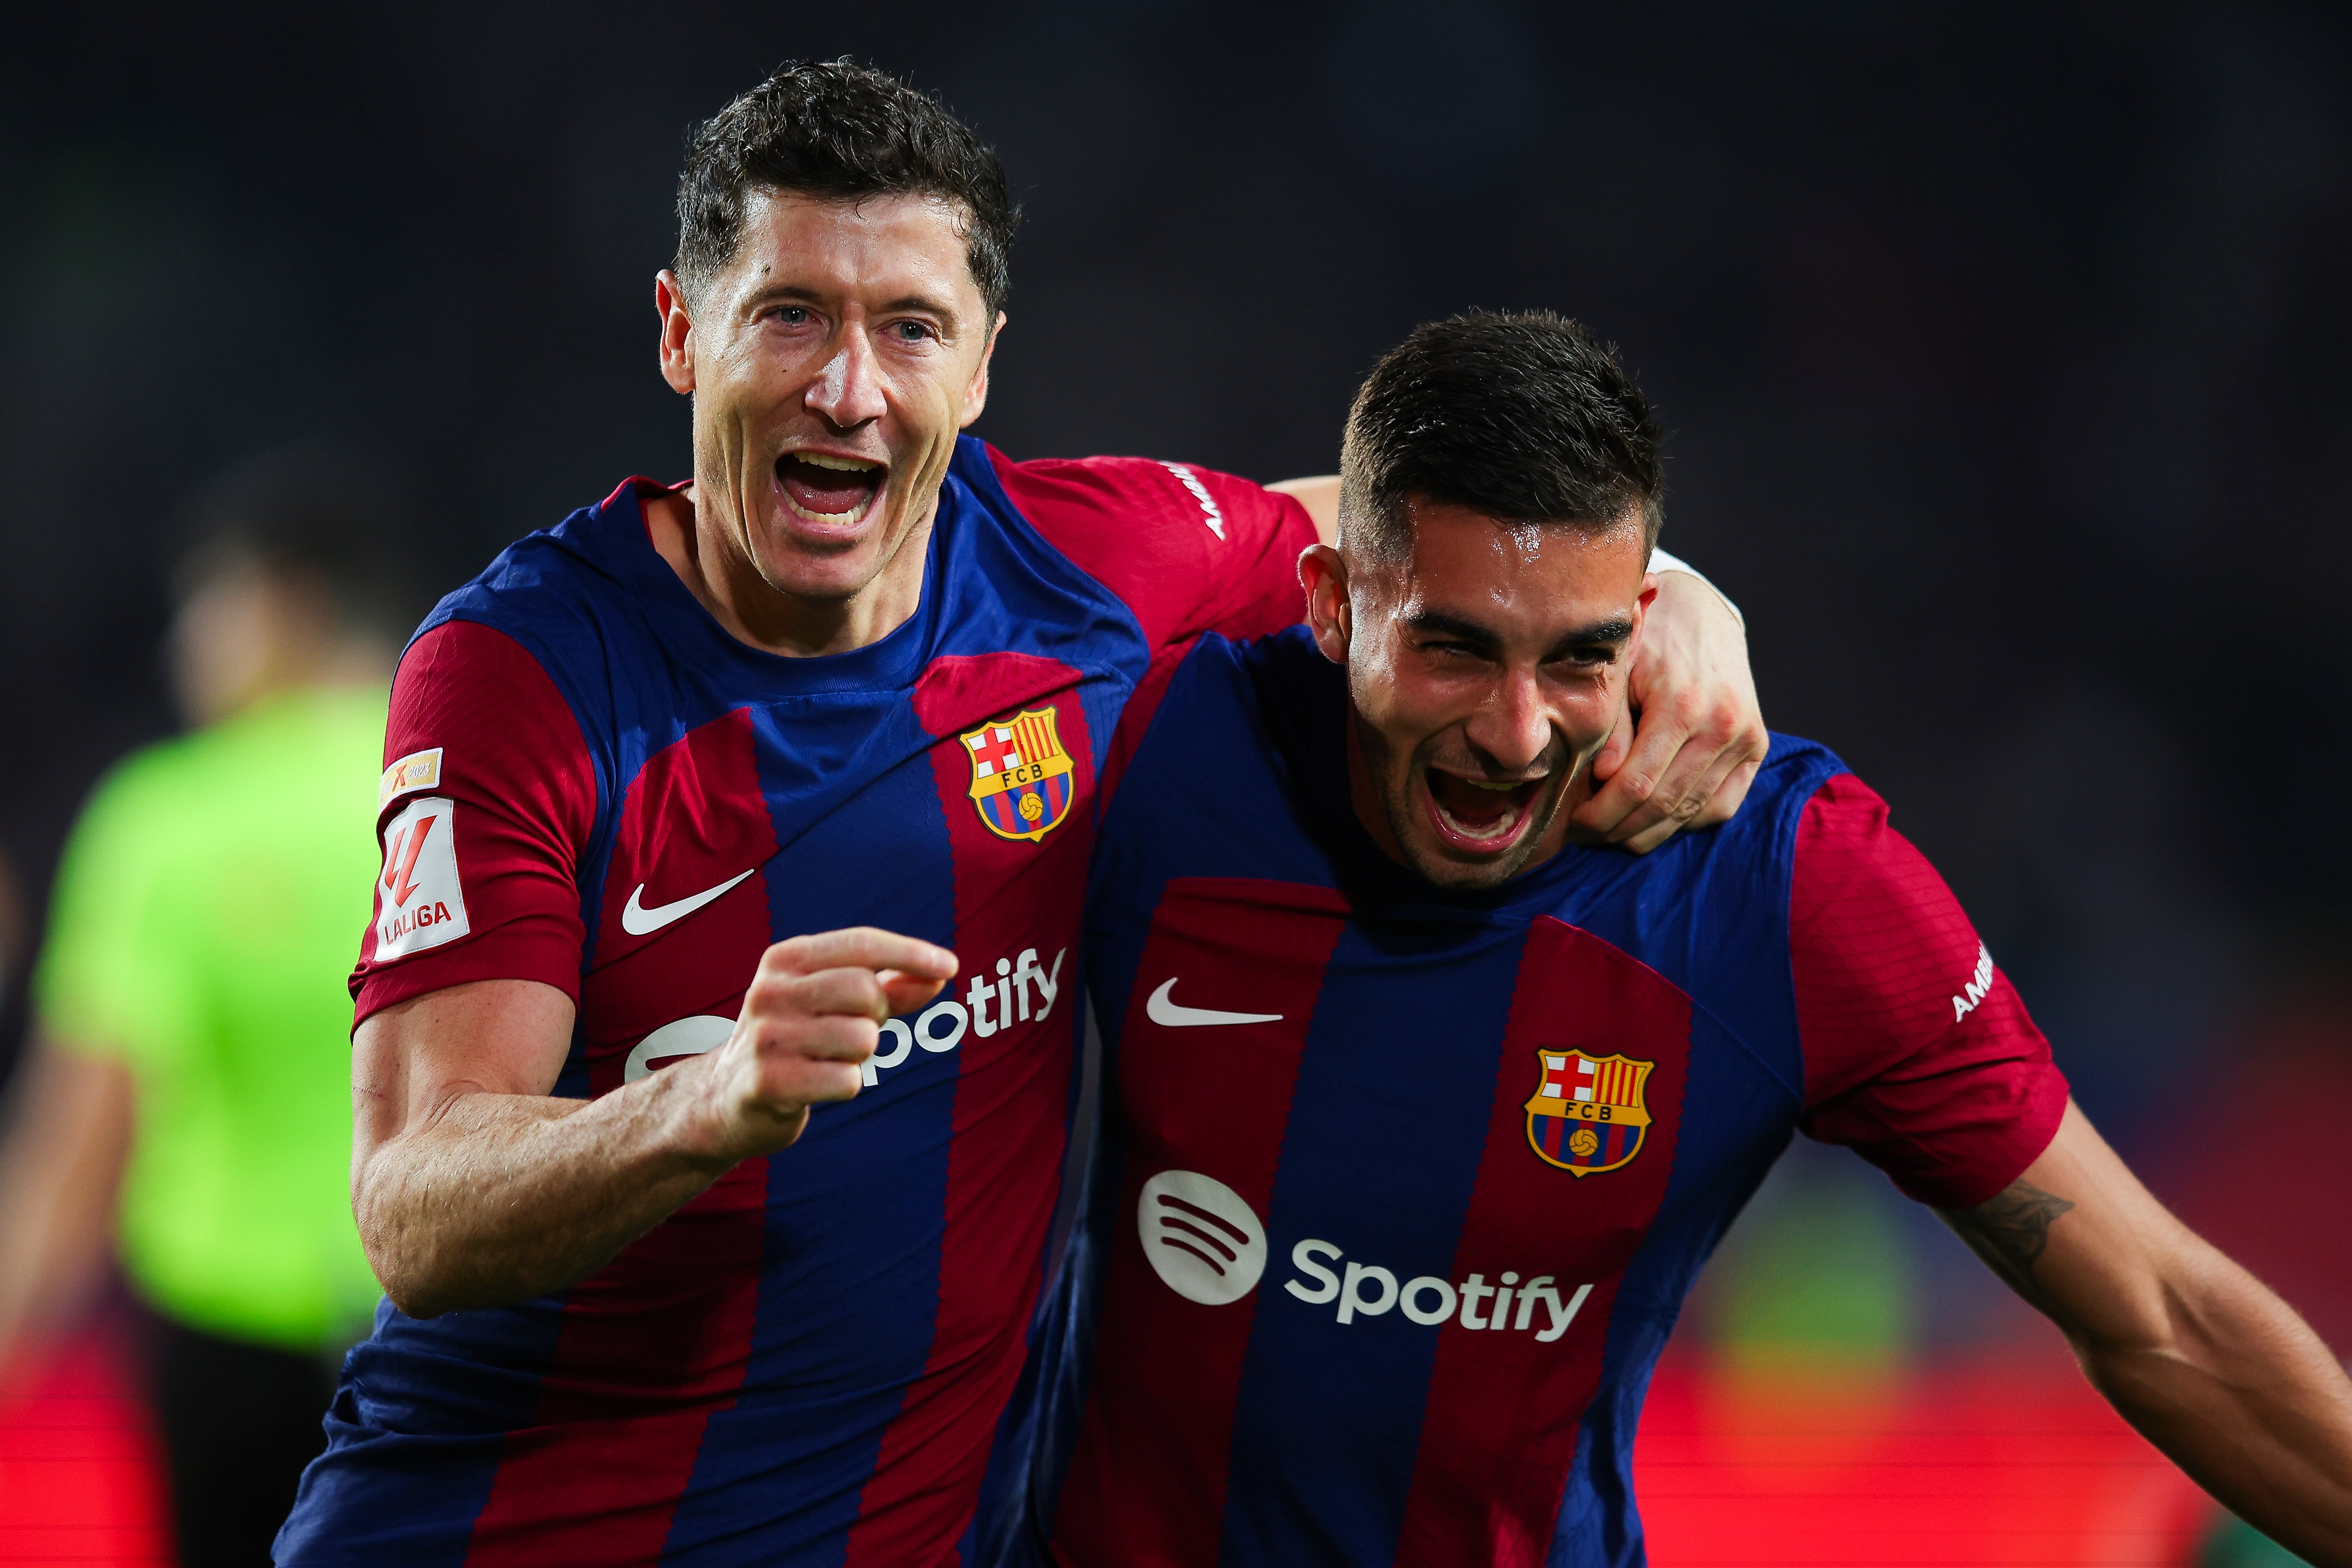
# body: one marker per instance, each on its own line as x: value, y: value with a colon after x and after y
x: 1160, y: 1010
x: 637, y: 920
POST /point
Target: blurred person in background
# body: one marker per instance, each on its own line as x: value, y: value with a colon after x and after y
x: 187, y: 1088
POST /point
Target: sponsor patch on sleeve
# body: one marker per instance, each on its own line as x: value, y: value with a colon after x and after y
x: 418, y: 770
x: 419, y: 902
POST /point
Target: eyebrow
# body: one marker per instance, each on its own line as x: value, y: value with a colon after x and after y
x: 1612, y: 633
x: 775, y: 291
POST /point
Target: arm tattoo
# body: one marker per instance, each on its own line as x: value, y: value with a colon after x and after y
x: 2010, y: 1232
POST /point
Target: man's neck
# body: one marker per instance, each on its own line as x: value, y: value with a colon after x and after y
x: 717, y: 571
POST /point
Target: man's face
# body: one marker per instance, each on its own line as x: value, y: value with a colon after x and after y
x: 1487, y: 667
x: 832, y: 363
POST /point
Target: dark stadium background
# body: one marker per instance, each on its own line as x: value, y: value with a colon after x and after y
x: 2004, y: 348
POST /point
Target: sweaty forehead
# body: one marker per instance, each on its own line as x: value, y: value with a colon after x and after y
x: 1464, y: 562
x: 875, y: 248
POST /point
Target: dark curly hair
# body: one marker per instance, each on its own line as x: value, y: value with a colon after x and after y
x: 836, y: 129
x: 1523, y: 415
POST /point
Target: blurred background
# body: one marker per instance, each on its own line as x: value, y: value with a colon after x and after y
x: 2003, y: 353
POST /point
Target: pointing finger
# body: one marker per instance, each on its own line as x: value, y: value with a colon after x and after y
x: 864, y: 947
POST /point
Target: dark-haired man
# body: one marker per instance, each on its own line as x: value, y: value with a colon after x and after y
x: 716, y: 775
x: 1423, y: 1121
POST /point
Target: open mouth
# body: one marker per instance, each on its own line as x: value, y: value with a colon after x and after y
x: 825, y: 488
x: 1480, y: 817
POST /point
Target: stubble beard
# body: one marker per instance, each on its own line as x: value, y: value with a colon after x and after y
x: 1398, y: 795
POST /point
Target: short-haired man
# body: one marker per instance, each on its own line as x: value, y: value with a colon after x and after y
x: 721, y: 772
x: 186, y: 1098
x: 1421, y: 1121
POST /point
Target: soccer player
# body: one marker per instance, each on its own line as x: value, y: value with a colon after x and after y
x: 1421, y: 1120
x: 715, y: 775
x: 187, y: 1100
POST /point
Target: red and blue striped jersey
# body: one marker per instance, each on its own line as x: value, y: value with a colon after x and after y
x: 589, y: 783
x: 1401, y: 1189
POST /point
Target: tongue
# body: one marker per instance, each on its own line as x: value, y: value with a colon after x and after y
x: 1470, y: 806
x: 828, y: 490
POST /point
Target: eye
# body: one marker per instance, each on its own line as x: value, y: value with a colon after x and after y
x: 790, y: 315
x: 911, y: 331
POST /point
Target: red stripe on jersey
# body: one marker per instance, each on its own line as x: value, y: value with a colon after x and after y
x: 1146, y: 1483
x: 1954, y: 1109
x: 694, y: 819
x: 658, y: 1340
x: 1011, y: 1106
x: 513, y: 760
x: 1499, y: 1428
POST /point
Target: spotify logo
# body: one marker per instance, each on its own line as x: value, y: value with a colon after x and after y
x: 1204, y: 1241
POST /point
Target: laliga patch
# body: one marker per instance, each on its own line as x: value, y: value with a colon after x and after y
x: 418, y: 770
x: 419, y: 903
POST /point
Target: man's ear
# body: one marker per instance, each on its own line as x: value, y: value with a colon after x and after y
x: 1643, y: 601
x: 975, y: 396
x: 1323, y: 573
x: 677, y: 332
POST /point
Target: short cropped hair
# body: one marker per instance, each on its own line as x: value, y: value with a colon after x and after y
x: 844, y: 132
x: 1523, y: 415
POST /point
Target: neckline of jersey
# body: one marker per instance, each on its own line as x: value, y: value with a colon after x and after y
x: 889, y: 663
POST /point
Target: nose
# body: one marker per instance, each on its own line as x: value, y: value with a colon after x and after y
x: 1513, y: 728
x: 848, y: 390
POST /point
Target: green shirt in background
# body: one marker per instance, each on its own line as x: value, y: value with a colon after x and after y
x: 207, y: 913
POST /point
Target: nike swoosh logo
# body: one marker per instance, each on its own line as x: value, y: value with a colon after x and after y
x: 637, y: 920
x: 1160, y: 1010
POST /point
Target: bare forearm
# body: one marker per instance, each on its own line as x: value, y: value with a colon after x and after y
x: 474, y: 1188
x: 2246, y: 1399
x: 2191, y: 1349
x: 503, y: 1197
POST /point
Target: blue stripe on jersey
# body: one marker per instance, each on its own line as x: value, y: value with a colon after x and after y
x: 1389, y: 1187
x: 1232, y: 843
x: 821, y: 1286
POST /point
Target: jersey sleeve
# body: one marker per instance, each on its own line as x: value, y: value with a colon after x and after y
x: 106, y: 987
x: 1918, y: 1052
x: 1188, y: 549
x: 487, y: 806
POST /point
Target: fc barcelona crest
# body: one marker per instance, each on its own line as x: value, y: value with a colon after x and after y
x: 1021, y: 777
x: 1586, y: 1115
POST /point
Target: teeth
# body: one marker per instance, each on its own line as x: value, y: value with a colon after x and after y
x: 836, y: 518
x: 1498, y: 788
x: 1494, y: 829
x: 846, y: 465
